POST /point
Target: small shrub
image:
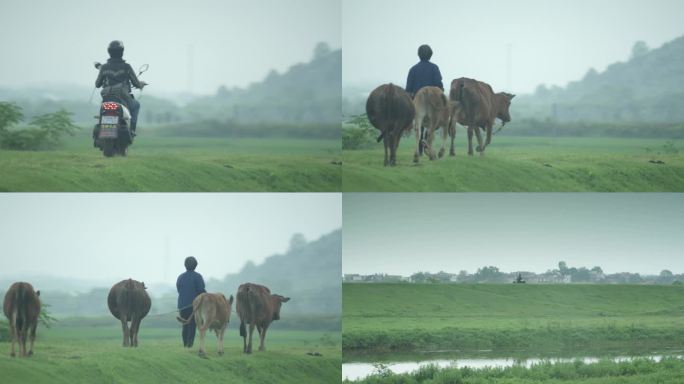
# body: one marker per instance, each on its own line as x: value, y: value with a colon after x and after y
x: 46, y: 134
x: 360, y: 134
x: 10, y: 114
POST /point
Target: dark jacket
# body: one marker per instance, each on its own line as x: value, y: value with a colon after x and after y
x: 117, y: 71
x: 189, y: 285
x: 422, y: 75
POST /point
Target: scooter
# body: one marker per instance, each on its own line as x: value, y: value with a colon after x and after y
x: 112, y: 133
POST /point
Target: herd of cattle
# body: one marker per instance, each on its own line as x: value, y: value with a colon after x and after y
x: 129, y: 302
x: 471, y: 103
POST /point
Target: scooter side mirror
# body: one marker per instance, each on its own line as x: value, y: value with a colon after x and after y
x: 97, y: 65
x: 142, y: 69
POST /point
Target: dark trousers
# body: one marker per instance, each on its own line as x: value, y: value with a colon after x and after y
x: 189, y: 328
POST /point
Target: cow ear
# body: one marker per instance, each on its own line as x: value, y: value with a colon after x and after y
x: 143, y: 284
x: 285, y: 299
x: 510, y: 96
x: 38, y: 293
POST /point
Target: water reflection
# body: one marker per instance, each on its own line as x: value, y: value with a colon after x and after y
x: 359, y: 370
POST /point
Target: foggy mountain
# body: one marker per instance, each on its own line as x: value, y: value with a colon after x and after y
x: 646, y: 88
x: 309, y: 273
x: 306, y: 93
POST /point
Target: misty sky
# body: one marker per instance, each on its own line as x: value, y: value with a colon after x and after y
x: 108, y: 237
x: 233, y: 42
x: 403, y: 233
x: 552, y: 41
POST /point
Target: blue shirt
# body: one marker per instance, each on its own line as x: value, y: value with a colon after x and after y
x: 422, y: 75
x: 189, y: 285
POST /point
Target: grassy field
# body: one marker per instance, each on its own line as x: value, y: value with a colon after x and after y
x: 386, y: 317
x: 642, y: 371
x: 95, y: 355
x: 524, y: 164
x: 178, y: 165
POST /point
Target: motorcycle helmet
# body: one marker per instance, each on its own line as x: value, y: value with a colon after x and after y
x: 116, y: 49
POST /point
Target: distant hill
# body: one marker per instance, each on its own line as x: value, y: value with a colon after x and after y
x: 308, y: 273
x: 646, y: 88
x: 305, y: 93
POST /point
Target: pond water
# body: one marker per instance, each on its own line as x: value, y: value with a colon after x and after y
x: 357, y: 370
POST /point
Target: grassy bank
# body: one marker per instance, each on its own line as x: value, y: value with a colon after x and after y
x: 385, y: 317
x: 524, y: 164
x: 178, y: 164
x: 89, y: 355
x: 644, y: 371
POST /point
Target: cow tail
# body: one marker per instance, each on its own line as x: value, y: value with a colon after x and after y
x: 20, y: 307
x: 389, y: 107
x: 126, y: 298
x: 243, y: 329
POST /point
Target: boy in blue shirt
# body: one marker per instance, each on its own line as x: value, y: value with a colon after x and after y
x: 424, y: 73
x: 189, y: 285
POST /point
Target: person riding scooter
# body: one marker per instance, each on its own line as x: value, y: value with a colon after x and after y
x: 116, y: 77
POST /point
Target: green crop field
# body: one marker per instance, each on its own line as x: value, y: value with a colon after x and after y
x: 524, y: 164
x: 178, y: 165
x: 387, y: 317
x: 66, y: 354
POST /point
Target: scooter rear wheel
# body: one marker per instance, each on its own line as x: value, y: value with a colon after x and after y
x: 108, y: 148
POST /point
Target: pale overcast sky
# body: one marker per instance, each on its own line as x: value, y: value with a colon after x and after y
x: 403, y: 233
x: 551, y: 41
x: 232, y: 42
x: 109, y: 237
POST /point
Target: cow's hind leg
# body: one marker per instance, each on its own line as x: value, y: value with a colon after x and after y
x: 251, y: 331
x: 419, y: 151
x: 470, y: 140
x: 202, y: 351
x: 135, y: 326
x: 263, y: 339
x: 126, y: 331
x: 393, y: 149
x: 430, y: 141
x: 243, y: 333
x: 385, y: 142
x: 442, y: 149
x: 452, y: 135
x: 480, y: 144
x: 13, y: 333
x: 219, y: 335
x: 22, y: 338
x: 32, y: 337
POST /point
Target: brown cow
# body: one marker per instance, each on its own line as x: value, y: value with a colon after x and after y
x: 256, y: 306
x: 433, y: 111
x: 22, y: 308
x: 128, y: 301
x: 211, y: 311
x: 481, y: 106
x: 390, y: 110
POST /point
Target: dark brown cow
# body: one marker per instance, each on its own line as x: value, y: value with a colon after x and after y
x: 481, y: 107
x: 22, y: 308
x: 390, y: 110
x: 211, y: 311
x: 128, y: 301
x: 256, y: 306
